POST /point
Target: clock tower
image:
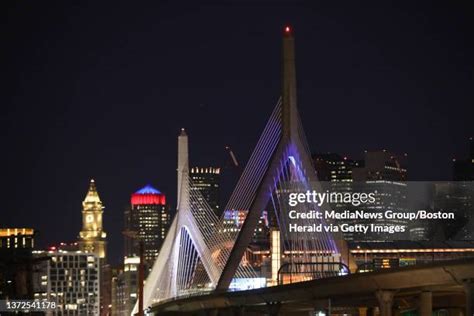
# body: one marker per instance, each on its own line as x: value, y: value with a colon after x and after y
x: 92, y: 237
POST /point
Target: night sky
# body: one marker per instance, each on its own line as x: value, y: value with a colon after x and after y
x: 100, y: 90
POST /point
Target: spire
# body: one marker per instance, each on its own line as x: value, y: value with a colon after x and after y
x: 92, y: 195
x: 288, y: 91
x: 183, y: 164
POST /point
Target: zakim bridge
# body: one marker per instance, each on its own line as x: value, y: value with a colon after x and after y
x: 203, y: 266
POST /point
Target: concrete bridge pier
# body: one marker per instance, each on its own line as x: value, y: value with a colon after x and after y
x: 367, y: 311
x: 425, y: 307
x: 239, y: 311
x: 455, y: 311
x: 469, y: 290
x: 273, y: 308
x: 212, y: 312
x: 230, y: 311
x: 363, y: 311
x: 385, y: 299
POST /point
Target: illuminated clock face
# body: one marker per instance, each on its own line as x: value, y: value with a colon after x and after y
x: 89, y: 218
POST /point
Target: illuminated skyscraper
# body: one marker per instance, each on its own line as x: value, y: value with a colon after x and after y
x: 148, y: 218
x: 335, y: 173
x: 385, y: 173
x: 334, y: 167
x: 460, y: 195
x: 92, y: 236
x: 206, y: 181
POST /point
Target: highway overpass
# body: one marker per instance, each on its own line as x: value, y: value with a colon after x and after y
x: 443, y: 285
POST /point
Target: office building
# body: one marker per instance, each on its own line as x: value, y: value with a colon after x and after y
x: 147, y: 219
x: 381, y: 166
x: 205, y: 180
x: 456, y: 197
x: 16, y: 245
x: 71, y: 279
x: 334, y: 167
x: 385, y: 174
x: 117, y: 293
x: 125, y: 287
x: 234, y: 219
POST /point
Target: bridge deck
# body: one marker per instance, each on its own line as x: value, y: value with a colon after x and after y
x: 438, y: 277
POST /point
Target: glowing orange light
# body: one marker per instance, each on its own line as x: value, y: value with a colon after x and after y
x: 287, y: 29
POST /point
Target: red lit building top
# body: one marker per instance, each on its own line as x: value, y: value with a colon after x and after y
x: 148, y: 196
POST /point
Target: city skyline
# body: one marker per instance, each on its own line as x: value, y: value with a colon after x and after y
x: 157, y: 165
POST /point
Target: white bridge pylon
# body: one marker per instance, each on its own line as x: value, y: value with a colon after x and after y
x: 187, y: 220
x: 194, y: 251
x: 185, y: 263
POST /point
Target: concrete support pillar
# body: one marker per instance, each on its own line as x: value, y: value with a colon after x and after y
x: 239, y: 311
x: 385, y: 299
x: 273, y: 308
x: 425, y: 307
x: 363, y: 311
x: 469, y: 290
x: 455, y: 312
x: 212, y: 312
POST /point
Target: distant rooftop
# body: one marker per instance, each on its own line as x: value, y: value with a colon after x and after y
x: 8, y: 232
x: 148, y: 189
x: 401, y: 245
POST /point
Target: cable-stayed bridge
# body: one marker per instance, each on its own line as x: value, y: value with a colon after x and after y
x: 202, y: 257
x: 200, y: 254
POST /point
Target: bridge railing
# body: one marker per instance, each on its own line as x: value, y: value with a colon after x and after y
x: 293, y: 272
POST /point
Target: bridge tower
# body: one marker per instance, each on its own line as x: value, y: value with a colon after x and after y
x: 290, y: 146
